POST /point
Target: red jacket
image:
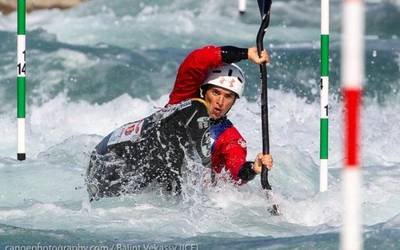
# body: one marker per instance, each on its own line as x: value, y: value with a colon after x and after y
x: 229, y: 148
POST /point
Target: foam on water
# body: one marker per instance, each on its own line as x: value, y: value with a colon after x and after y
x: 166, y: 24
x: 51, y: 181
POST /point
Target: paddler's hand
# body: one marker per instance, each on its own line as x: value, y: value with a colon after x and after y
x: 260, y: 160
x: 252, y: 56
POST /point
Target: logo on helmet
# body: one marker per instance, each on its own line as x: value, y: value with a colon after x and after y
x: 228, y: 76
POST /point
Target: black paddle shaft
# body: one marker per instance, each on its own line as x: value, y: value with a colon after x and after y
x: 265, y: 9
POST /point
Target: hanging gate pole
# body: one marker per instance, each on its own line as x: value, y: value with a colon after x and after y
x: 324, y: 85
x: 21, y: 78
x: 352, y: 74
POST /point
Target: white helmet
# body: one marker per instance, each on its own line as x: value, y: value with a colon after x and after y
x: 227, y: 76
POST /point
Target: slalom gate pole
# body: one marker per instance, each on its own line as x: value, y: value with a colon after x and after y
x: 324, y: 85
x: 242, y: 6
x: 21, y: 78
x: 352, y: 74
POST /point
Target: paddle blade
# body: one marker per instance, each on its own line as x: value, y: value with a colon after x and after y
x: 264, y: 179
x: 264, y: 6
x: 274, y: 210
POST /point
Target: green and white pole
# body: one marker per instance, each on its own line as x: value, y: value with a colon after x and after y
x: 324, y: 84
x: 21, y: 77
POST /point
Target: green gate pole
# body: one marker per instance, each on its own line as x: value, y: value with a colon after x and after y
x: 21, y: 76
x: 324, y: 84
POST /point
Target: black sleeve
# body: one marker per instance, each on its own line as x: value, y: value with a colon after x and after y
x: 246, y: 173
x: 231, y: 54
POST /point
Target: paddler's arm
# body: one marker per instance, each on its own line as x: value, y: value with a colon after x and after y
x: 231, y: 54
x: 232, y: 148
x: 194, y: 69
x: 250, y: 169
x: 192, y: 73
x: 235, y: 152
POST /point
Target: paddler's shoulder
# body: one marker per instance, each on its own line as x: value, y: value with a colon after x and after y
x: 197, y: 103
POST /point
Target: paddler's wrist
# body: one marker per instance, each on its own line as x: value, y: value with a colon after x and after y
x: 232, y: 54
x: 246, y: 173
x: 257, y: 165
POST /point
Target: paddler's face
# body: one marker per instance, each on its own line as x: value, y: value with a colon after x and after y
x: 219, y: 101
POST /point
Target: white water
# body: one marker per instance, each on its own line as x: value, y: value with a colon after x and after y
x: 51, y: 181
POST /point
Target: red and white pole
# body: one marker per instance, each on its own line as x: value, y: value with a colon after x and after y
x: 352, y: 74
